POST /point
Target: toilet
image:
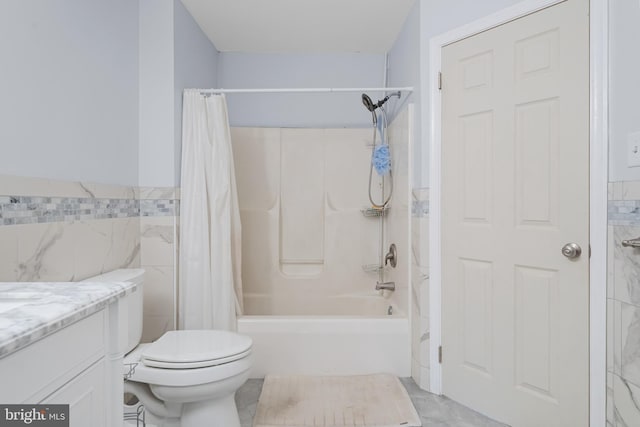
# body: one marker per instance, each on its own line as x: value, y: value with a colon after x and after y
x: 185, y: 378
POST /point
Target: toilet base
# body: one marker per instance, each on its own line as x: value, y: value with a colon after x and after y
x: 221, y: 412
x: 208, y: 404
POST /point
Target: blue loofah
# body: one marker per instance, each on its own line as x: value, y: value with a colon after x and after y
x: 381, y: 159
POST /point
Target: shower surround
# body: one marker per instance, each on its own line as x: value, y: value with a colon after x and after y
x: 307, y: 249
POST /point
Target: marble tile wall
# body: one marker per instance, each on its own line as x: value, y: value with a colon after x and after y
x: 68, y: 231
x: 623, y: 307
x: 158, y: 247
x: 398, y: 221
x: 420, y: 363
x: 65, y: 231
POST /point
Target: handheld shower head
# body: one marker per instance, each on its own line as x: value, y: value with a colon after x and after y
x: 368, y: 103
x: 371, y: 106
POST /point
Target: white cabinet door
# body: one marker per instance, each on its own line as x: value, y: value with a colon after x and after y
x: 85, y: 396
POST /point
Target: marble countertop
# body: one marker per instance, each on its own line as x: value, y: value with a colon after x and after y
x: 34, y: 310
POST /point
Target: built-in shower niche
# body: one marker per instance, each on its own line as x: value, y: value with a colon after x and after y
x: 304, y: 238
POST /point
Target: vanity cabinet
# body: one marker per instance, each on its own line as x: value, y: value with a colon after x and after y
x: 85, y: 395
x: 70, y: 366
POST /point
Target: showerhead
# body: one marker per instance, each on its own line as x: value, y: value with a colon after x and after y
x: 368, y: 103
x: 371, y: 106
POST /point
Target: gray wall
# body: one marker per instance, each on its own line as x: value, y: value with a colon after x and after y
x: 92, y: 89
x: 404, y: 70
x: 157, y: 143
x: 242, y: 70
x: 174, y: 55
x: 195, y: 66
x: 624, y: 78
x: 440, y: 16
x: 69, y: 104
x: 79, y: 61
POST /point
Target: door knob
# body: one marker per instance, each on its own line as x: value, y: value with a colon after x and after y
x: 571, y: 250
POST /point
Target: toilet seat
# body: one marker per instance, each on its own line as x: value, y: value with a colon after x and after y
x: 193, y: 365
x: 135, y: 370
x: 192, y: 349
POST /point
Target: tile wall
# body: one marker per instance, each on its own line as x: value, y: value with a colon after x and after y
x: 623, y: 306
x: 398, y: 221
x: 159, y: 227
x: 420, y: 362
x: 68, y: 231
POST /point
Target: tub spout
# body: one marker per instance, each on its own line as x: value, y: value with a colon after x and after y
x: 386, y: 286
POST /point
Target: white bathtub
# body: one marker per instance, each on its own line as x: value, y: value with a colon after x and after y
x: 356, y: 336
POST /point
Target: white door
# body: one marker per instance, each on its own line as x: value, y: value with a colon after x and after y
x: 515, y: 157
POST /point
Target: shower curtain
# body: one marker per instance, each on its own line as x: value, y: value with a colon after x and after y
x: 210, y: 286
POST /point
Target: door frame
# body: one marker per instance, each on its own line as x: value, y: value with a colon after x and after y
x: 598, y: 180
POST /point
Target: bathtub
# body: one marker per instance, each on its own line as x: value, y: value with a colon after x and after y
x: 346, y: 335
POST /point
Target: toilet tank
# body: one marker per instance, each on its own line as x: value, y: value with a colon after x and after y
x: 131, y: 327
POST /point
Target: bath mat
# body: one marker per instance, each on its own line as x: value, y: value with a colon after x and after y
x: 364, y: 400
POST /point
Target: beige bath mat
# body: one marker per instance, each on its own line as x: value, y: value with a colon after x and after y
x: 365, y: 401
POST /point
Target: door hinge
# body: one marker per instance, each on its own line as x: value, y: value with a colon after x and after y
x: 440, y: 354
x: 440, y: 80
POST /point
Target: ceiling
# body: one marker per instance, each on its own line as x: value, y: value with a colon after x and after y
x: 301, y: 26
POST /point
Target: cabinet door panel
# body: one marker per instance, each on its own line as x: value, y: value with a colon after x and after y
x: 85, y: 396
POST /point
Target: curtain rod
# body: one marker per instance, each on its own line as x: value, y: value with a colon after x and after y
x: 309, y: 90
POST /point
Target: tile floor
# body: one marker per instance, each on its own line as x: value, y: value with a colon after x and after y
x: 436, y: 411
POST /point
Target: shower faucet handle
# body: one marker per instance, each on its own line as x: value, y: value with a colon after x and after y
x: 392, y: 256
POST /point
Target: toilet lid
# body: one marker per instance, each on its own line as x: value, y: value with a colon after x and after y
x: 196, y: 349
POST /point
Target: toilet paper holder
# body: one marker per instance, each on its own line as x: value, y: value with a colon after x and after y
x: 631, y: 243
x: 138, y: 416
x: 132, y: 370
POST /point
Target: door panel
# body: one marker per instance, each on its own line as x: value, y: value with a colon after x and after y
x: 476, y: 136
x: 477, y: 279
x: 536, y: 146
x: 515, y: 156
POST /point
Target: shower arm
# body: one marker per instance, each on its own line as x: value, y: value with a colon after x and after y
x: 386, y: 98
